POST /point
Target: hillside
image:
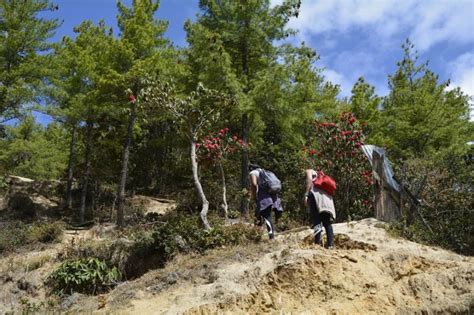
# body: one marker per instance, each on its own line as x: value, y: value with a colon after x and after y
x: 368, y: 272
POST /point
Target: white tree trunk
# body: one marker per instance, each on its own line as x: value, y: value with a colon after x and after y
x: 197, y: 183
x: 224, y: 191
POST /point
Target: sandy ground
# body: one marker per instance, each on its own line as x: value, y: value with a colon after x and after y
x: 369, y: 272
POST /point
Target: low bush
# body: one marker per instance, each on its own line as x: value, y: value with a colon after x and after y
x: 184, y: 233
x: 445, y: 214
x: 15, y: 234
x: 141, y: 248
x: 46, y: 232
x: 84, y: 275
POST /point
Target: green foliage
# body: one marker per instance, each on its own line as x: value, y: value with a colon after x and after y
x: 364, y: 104
x: 285, y: 162
x: 34, y: 151
x: 421, y: 116
x: 23, y: 41
x: 31, y: 307
x: 87, y: 275
x: 46, y: 232
x: 277, y: 86
x: 233, y: 214
x: 141, y: 248
x: 15, y: 234
x: 447, y: 203
x: 184, y: 233
x: 334, y: 148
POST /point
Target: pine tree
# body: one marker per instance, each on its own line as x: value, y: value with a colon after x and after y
x: 82, y: 64
x: 234, y: 40
x: 364, y: 104
x: 420, y: 115
x: 23, y: 62
x: 143, y: 51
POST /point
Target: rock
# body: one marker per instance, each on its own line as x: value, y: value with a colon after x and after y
x: 181, y: 243
x: 69, y: 301
x: 172, y: 278
x: 27, y: 199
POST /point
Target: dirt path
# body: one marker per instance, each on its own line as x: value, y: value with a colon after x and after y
x: 369, y: 272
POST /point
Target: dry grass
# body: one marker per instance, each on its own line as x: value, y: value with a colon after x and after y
x: 32, y: 262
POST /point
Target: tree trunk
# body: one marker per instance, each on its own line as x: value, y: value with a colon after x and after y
x: 70, y: 172
x: 123, y: 173
x: 244, y: 179
x: 197, y: 183
x: 85, y: 175
x: 224, y: 191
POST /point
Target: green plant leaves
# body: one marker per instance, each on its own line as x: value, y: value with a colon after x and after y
x: 85, y: 275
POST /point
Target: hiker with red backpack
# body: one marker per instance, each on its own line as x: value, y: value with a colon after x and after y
x: 320, y: 189
x: 264, y: 188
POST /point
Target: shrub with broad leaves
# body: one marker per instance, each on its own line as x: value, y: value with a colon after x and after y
x: 85, y: 275
x: 335, y: 148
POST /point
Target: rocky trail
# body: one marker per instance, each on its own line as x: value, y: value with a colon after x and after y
x: 369, y: 272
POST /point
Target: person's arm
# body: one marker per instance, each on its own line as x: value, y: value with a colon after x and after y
x: 309, y: 184
x: 253, y: 186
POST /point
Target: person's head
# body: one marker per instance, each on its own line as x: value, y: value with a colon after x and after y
x: 253, y: 166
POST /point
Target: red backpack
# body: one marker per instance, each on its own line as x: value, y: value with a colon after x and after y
x: 325, y: 182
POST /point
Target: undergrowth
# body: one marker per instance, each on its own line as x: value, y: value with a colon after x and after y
x: 84, y: 275
x: 16, y: 234
x: 140, y: 248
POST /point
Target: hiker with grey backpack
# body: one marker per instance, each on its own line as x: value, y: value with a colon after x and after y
x: 264, y: 188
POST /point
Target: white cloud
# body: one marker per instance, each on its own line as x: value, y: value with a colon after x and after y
x: 426, y: 22
x: 462, y: 73
x: 462, y: 76
x: 338, y: 78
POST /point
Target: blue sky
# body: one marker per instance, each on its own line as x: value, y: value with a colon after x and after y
x: 354, y: 37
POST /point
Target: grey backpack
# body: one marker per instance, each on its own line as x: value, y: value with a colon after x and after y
x: 269, y: 182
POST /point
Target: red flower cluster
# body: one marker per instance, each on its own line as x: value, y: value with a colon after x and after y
x: 349, y: 117
x: 132, y: 98
x: 218, y: 145
x: 335, y: 148
x: 367, y: 176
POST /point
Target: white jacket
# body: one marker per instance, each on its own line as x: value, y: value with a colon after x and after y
x: 323, y: 200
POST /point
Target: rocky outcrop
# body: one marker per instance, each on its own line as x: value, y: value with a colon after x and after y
x: 27, y: 198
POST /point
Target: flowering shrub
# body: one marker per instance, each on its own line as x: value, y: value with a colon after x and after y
x: 214, y: 149
x: 217, y: 146
x: 335, y: 148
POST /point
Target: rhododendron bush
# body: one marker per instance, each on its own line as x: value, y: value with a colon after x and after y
x: 335, y: 148
x: 214, y: 149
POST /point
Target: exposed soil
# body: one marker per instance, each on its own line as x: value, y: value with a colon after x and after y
x: 368, y: 272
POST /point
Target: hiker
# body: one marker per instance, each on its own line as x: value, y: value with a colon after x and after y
x: 267, y: 199
x: 321, y: 208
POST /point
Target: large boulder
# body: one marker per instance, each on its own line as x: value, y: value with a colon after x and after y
x: 28, y: 199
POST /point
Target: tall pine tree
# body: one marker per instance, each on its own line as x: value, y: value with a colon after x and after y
x: 24, y: 66
x: 421, y: 116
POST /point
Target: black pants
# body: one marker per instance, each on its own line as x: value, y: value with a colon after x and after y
x: 318, y: 220
x: 266, y: 215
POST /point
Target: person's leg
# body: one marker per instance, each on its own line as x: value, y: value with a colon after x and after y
x: 278, y: 215
x: 266, y: 214
x: 326, y: 219
x: 315, y: 219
